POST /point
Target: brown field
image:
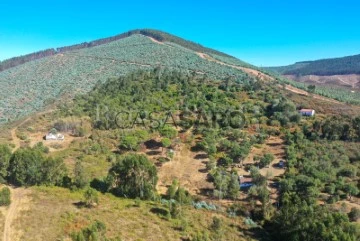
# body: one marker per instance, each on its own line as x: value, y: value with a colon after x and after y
x: 54, y: 213
x: 351, y: 81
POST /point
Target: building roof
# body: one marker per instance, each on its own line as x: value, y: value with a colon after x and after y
x: 245, y: 179
x: 306, y: 110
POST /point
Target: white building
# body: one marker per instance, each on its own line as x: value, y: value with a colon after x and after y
x: 54, y: 137
x: 307, y: 112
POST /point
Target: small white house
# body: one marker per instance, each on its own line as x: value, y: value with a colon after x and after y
x: 54, y: 137
x: 307, y: 112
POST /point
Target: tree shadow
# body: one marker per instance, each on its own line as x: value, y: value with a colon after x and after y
x: 203, y: 170
x: 255, y: 233
x: 153, y: 153
x: 159, y: 211
x: 201, y: 156
x: 152, y: 144
x: 80, y: 204
x: 206, y: 191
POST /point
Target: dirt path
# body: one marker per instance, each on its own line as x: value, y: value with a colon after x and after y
x: 16, y: 141
x: 315, y: 96
x: 17, y: 196
x: 246, y: 70
x: 267, y: 77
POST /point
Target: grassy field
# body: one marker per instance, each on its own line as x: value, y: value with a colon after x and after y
x: 58, y: 209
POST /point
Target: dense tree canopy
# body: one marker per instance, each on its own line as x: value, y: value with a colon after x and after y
x: 134, y: 176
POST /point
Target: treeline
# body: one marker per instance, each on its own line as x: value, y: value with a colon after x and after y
x: 158, y: 35
x: 334, y: 128
x: 30, y: 166
x: 336, y: 66
x: 13, y: 62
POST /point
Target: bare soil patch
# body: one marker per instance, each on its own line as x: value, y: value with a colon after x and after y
x: 185, y: 168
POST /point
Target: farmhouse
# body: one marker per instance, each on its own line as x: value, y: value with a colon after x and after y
x: 307, y: 112
x: 54, y: 137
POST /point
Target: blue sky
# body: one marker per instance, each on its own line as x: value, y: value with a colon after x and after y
x: 262, y: 32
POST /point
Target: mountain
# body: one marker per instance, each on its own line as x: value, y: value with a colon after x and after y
x: 336, y: 72
x: 30, y: 82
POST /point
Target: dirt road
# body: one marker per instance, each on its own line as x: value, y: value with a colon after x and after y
x: 17, y: 197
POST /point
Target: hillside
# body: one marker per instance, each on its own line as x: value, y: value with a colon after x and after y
x: 336, y: 66
x: 31, y: 82
x: 39, y: 82
x: 155, y: 34
x: 338, y: 72
x: 160, y: 154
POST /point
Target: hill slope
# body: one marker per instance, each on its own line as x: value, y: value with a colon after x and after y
x: 344, y: 72
x: 77, y: 69
x: 335, y: 66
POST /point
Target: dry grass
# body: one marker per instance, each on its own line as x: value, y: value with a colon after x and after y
x: 53, y: 215
x: 187, y: 169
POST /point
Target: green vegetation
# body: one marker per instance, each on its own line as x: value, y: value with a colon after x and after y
x: 336, y: 66
x: 91, y: 197
x: 29, y: 167
x: 5, y: 197
x: 220, y: 122
x: 5, y: 155
x: 95, y: 232
x: 298, y: 220
x: 43, y: 81
x: 337, y: 93
x: 134, y: 176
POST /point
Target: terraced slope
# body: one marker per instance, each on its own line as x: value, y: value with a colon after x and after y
x: 29, y: 87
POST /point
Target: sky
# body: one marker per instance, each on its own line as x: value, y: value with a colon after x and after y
x: 261, y: 32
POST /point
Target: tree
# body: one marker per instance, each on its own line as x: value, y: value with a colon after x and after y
x: 5, y: 156
x: 80, y: 178
x: 130, y: 143
x: 54, y: 171
x: 5, y: 197
x: 171, y: 192
x: 311, y: 88
x: 234, y: 186
x: 221, y: 182
x: 134, y: 176
x: 168, y: 132
x: 166, y: 142
x: 266, y: 159
x: 354, y: 214
x: 351, y: 190
x: 217, y: 228
x: 257, y: 178
x: 297, y: 220
x: 29, y: 167
x: 25, y: 167
x: 91, y: 197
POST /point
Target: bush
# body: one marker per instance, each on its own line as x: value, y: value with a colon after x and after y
x: 354, y: 214
x: 91, y: 197
x: 5, y: 197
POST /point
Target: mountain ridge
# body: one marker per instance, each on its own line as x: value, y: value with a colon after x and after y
x: 322, y: 67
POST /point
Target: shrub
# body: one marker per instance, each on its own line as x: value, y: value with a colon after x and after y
x: 5, y: 197
x: 91, y: 197
x: 354, y: 214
